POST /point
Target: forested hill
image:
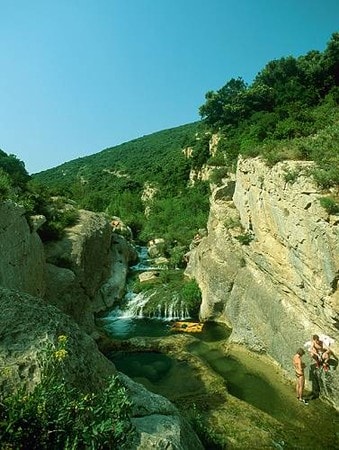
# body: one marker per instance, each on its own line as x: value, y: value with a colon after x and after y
x: 114, y: 180
x: 148, y: 158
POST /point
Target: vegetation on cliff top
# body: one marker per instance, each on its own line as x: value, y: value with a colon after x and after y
x: 290, y: 111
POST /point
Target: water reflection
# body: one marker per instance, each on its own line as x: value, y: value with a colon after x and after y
x: 119, y: 327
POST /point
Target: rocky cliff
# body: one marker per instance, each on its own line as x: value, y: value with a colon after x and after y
x: 269, y: 266
x: 87, y: 269
x: 52, y: 290
x: 81, y: 274
x: 22, y: 260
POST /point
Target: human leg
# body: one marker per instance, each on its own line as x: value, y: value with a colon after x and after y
x: 300, y: 385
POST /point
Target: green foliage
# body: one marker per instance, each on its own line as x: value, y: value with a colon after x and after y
x: 290, y: 98
x: 232, y: 223
x: 56, y: 415
x: 225, y: 107
x: 201, y: 152
x: 330, y: 204
x: 217, y: 176
x: 176, y: 257
x: 176, y: 218
x: 245, y: 238
x: 291, y: 176
x: 156, y: 158
x: 14, y: 168
x: 191, y: 295
x: 326, y: 178
x: 5, y: 184
x: 114, y: 179
x: 129, y: 206
x: 59, y: 216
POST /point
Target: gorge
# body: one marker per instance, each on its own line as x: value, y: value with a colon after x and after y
x: 267, y: 269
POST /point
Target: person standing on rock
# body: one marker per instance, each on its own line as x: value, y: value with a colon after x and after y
x: 299, y: 367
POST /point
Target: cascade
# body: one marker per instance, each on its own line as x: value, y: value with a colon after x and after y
x: 133, y: 304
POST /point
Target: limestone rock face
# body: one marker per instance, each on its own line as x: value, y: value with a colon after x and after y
x: 123, y: 254
x: 269, y: 266
x: 87, y: 269
x: 22, y: 260
x: 82, y: 274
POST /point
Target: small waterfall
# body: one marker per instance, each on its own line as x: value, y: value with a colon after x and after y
x: 137, y: 306
x: 134, y: 307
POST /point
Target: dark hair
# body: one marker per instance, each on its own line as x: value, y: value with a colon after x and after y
x: 301, y: 351
x: 315, y: 336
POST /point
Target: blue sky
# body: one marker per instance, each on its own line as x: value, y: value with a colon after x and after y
x: 78, y: 76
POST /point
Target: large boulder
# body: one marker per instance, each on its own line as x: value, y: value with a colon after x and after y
x: 87, y: 268
x: 27, y: 324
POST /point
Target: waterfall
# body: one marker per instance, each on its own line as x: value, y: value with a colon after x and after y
x: 134, y: 305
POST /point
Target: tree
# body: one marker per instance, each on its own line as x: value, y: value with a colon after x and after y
x: 14, y: 168
x: 331, y: 59
x: 224, y: 107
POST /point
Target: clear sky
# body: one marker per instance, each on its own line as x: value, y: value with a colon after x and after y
x: 78, y: 76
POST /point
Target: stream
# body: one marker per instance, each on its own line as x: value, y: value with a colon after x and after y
x: 246, y: 378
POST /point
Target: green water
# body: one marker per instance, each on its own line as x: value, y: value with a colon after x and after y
x: 312, y: 427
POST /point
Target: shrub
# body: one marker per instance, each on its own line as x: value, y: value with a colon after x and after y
x: 5, y: 184
x: 326, y: 178
x: 331, y: 206
x: 217, y: 175
x: 58, y: 416
x: 232, y: 222
x: 291, y: 176
x: 245, y: 239
x: 191, y: 295
x: 57, y: 221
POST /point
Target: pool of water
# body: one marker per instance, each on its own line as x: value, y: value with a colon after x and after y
x: 251, y: 381
x: 166, y: 375
x: 129, y: 327
x: 158, y: 372
x: 242, y: 382
x: 121, y: 328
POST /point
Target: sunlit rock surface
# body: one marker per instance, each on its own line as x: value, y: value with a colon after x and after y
x: 269, y: 266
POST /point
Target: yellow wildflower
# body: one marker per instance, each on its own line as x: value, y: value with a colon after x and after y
x: 60, y: 354
x: 62, y: 339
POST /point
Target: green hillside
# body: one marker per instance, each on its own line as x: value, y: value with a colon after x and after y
x: 150, y: 158
x: 113, y: 181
